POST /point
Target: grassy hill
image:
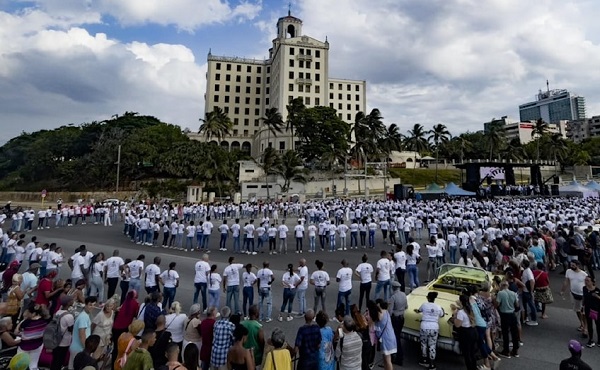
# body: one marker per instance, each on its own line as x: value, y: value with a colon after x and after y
x: 421, y: 177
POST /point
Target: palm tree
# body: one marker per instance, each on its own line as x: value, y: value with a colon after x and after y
x: 416, y: 141
x: 332, y: 157
x: 215, y: 124
x: 294, y: 110
x: 291, y: 169
x: 513, y: 150
x: 269, y: 162
x: 438, y: 135
x: 556, y: 148
x: 539, y: 130
x: 494, y: 138
x: 464, y: 145
x: 273, y: 122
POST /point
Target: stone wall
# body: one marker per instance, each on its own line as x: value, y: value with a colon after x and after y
x: 67, y: 197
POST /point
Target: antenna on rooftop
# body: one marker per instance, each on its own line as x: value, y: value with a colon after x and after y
x: 548, y: 85
x: 289, y: 9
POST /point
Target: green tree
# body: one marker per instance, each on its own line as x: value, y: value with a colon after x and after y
x: 294, y: 111
x: 273, y: 123
x: 494, y: 139
x: 215, y: 124
x: 437, y: 136
x: 318, y: 128
x: 540, y: 129
x: 291, y: 169
x: 513, y: 150
x: 270, y: 162
x: 416, y: 140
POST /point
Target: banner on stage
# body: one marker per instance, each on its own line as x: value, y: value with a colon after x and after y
x: 494, y: 173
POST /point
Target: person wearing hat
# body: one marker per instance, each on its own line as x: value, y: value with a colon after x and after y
x: 397, y: 305
x: 430, y: 329
x: 191, y: 334
x: 574, y: 362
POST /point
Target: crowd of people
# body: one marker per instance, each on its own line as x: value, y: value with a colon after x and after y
x: 105, y: 321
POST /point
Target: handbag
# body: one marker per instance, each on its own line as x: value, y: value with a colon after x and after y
x: 593, y: 315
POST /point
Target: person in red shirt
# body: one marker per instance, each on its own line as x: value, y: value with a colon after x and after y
x: 44, y: 290
x: 7, y: 276
x: 542, y: 292
x: 206, y: 332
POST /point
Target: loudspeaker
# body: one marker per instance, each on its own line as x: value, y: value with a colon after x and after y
x: 554, y: 189
x: 496, y: 190
x: 399, y: 191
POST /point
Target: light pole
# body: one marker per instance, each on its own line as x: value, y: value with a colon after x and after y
x: 118, y: 167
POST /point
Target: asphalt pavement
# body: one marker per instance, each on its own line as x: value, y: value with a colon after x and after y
x: 544, y: 346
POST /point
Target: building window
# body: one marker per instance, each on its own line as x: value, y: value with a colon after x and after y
x: 235, y: 132
x: 317, y: 53
x: 248, y: 79
x: 227, y: 88
x: 308, y: 76
x: 330, y: 95
x: 267, y: 91
x: 226, y: 98
x: 357, y: 88
x: 247, y: 89
x: 258, y: 79
x: 300, y: 88
x: 238, y: 89
x: 306, y: 100
x: 245, y: 132
x: 348, y: 97
x: 318, y: 89
x: 226, y: 110
x: 258, y: 69
x: 268, y: 80
x: 292, y: 51
x: 290, y: 98
x: 218, y: 66
x: 291, y: 87
x: 307, y: 88
x: 257, y: 101
x: 228, y: 67
x: 301, y: 51
x: 308, y: 64
x: 357, y: 97
x: 348, y: 87
x: 317, y: 101
x: 237, y: 100
x: 247, y: 100
x: 339, y: 96
x: 301, y: 64
x: 238, y: 68
x: 308, y: 51
x: 340, y: 115
x: 227, y: 77
x: 238, y: 78
x: 331, y: 105
x: 349, y: 117
x: 357, y: 107
x: 317, y: 65
x: 257, y: 111
x: 246, y: 111
x: 236, y: 121
x: 218, y: 77
x: 267, y: 101
x: 300, y: 74
x: 236, y: 110
x: 246, y: 123
x: 340, y: 106
x: 258, y: 90
x: 317, y: 77
x: 216, y: 98
x: 217, y: 87
x: 282, y: 145
x: 268, y: 69
x: 291, y: 74
x: 255, y: 123
x: 330, y: 86
x: 349, y: 106
x: 339, y: 87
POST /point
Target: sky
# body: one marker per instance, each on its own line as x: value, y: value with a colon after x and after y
x: 456, y: 62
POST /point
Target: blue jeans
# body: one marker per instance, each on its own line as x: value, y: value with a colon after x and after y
x: 265, y: 295
x: 247, y: 298
x: 371, y: 238
x: 385, y: 285
x: 169, y: 297
x: 332, y: 242
x: 236, y: 244
x: 135, y: 284
x: 353, y: 239
x: 529, y: 305
x: 453, y: 251
x: 189, y: 243
x: 214, y: 296
x: 198, y: 240
x: 200, y: 290
x: 346, y: 297
x: 223, y: 241
x: 311, y: 243
x: 250, y: 244
x: 301, y: 294
x: 288, y: 299
x: 205, y: 241
x: 413, y: 275
x: 233, y: 292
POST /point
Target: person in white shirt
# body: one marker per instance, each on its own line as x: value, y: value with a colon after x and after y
x: 248, y: 279
x: 190, y: 235
x: 202, y: 269
x: 342, y: 231
x: 452, y: 245
x: 235, y: 234
x: 249, y: 237
x: 299, y: 233
x: 96, y: 282
x: 261, y: 237
x: 432, y: 251
x: 265, y: 279
x: 55, y: 259
x: 41, y: 219
x: 170, y: 281
x: 77, y: 264
x: 207, y: 227
x: 214, y: 287
x: 112, y: 271
x: 320, y: 279
x: 383, y: 274
x: 344, y: 278
x: 400, y: 267
x: 231, y: 276
x: 136, y: 269
x: 272, y: 233
x: 290, y: 281
x: 302, y: 286
x: 429, y: 330
x: 412, y: 259
x: 354, y: 234
x: 372, y: 228
x: 152, y: 276
x: 283, y: 230
x: 312, y: 237
x: 224, y: 230
x: 365, y: 272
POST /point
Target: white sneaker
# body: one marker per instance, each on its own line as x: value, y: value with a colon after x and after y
x: 289, y: 318
x: 269, y: 320
x: 280, y: 319
x: 254, y: 253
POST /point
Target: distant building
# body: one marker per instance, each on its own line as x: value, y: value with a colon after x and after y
x: 297, y: 67
x: 579, y: 130
x: 553, y: 106
x: 522, y: 130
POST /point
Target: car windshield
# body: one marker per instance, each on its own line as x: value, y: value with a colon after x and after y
x: 460, y: 271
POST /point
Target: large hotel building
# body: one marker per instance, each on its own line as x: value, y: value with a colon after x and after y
x: 298, y: 66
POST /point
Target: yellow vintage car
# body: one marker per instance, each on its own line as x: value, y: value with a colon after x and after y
x: 449, y: 284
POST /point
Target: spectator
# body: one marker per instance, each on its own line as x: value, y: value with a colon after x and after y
x: 86, y: 357
x: 127, y: 343
x: 175, y: 322
x: 279, y: 357
x: 239, y: 357
x: 222, y: 339
x: 140, y: 359
x: 66, y: 320
x: 308, y: 343
x: 255, y: 339
x: 349, y: 347
x: 31, y: 331
x: 191, y: 333
x: 207, y: 332
x: 574, y: 362
x: 326, y: 352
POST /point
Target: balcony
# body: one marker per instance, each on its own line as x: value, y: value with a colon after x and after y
x: 304, y: 81
x: 304, y: 57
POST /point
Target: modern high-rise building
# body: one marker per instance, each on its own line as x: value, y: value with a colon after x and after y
x: 553, y: 106
x: 297, y: 67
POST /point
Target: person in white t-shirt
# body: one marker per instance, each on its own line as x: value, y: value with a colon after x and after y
x: 575, y: 280
x: 77, y: 265
x: 320, y: 279
x: 342, y: 230
x: 290, y: 281
x: 365, y: 272
x: 152, y: 276
x: 214, y: 287
x: 136, y: 268
x: 207, y: 227
x: 283, y: 230
x: 383, y: 275
x: 249, y: 230
x: 302, y: 287
x: 231, y: 276
x: 400, y: 266
x: 248, y: 279
x: 344, y: 279
x: 112, y: 271
x: 430, y: 328
x: 272, y: 233
x: 432, y: 251
x: 299, y: 234
x: 312, y: 237
x: 265, y: 279
x: 224, y: 231
x: 235, y: 234
x: 190, y: 235
x: 170, y: 281
x: 202, y: 269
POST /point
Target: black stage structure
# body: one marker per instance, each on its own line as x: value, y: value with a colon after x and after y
x: 474, y: 180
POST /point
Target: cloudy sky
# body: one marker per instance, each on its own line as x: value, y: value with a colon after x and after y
x: 458, y: 62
